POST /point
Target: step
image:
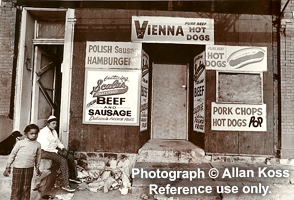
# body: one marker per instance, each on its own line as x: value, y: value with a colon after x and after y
x: 170, y: 151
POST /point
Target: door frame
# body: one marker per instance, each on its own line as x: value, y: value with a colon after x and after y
x: 187, y: 100
x: 66, y: 70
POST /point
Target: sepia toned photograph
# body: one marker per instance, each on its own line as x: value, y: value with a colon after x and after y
x: 146, y: 100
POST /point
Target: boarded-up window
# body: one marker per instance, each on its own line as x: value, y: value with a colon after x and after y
x: 239, y: 88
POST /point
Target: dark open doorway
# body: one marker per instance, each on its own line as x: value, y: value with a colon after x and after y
x: 176, y: 54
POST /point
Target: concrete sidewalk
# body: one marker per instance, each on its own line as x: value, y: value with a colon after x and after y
x: 236, y: 180
x: 251, y: 179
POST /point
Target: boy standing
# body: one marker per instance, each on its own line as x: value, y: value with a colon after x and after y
x: 24, y: 156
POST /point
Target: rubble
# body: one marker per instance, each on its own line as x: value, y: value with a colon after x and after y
x: 114, y: 176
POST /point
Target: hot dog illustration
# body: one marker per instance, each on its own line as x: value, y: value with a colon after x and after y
x: 245, y: 56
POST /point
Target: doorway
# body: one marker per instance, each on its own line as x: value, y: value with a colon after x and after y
x: 44, y: 68
x: 169, y: 119
x: 46, y: 83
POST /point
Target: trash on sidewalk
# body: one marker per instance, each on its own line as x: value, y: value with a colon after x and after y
x: 123, y: 191
x: 115, y: 175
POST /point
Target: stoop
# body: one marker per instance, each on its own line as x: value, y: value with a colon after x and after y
x: 171, y: 155
x: 170, y: 151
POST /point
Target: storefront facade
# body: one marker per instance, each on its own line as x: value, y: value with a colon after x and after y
x: 117, y: 78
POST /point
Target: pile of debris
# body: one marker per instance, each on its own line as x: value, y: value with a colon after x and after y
x: 115, y: 175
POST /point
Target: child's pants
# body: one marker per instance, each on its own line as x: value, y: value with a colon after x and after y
x: 21, y: 183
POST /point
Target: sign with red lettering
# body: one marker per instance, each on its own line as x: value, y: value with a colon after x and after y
x: 113, y: 55
x: 238, y: 117
x: 199, y: 93
x: 236, y: 58
x: 172, y: 30
x: 111, y: 97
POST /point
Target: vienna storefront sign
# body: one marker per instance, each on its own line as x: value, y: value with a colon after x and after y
x: 199, y: 93
x: 172, y: 30
x: 238, y: 117
x: 111, y: 97
x: 236, y: 58
x: 114, y: 55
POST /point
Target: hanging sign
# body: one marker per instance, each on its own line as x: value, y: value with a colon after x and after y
x: 236, y: 58
x: 111, y: 97
x: 199, y: 93
x: 114, y: 55
x: 172, y: 30
x: 144, y: 92
x: 238, y: 117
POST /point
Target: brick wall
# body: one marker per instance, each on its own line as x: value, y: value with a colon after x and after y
x: 287, y: 79
x: 7, y: 33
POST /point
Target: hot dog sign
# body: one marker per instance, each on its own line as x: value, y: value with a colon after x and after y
x: 236, y: 58
x: 238, y: 117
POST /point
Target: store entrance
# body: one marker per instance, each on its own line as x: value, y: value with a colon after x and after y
x: 171, y: 89
x: 169, y: 101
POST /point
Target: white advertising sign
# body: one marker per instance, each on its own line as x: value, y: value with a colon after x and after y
x: 114, y: 55
x: 238, y: 117
x: 111, y: 97
x: 172, y: 30
x: 144, y: 92
x: 199, y: 93
x: 236, y: 58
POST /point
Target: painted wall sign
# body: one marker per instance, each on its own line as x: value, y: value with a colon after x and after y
x: 111, y: 97
x: 144, y: 92
x: 236, y: 58
x: 113, y: 55
x: 238, y: 117
x: 172, y: 30
x: 199, y: 93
